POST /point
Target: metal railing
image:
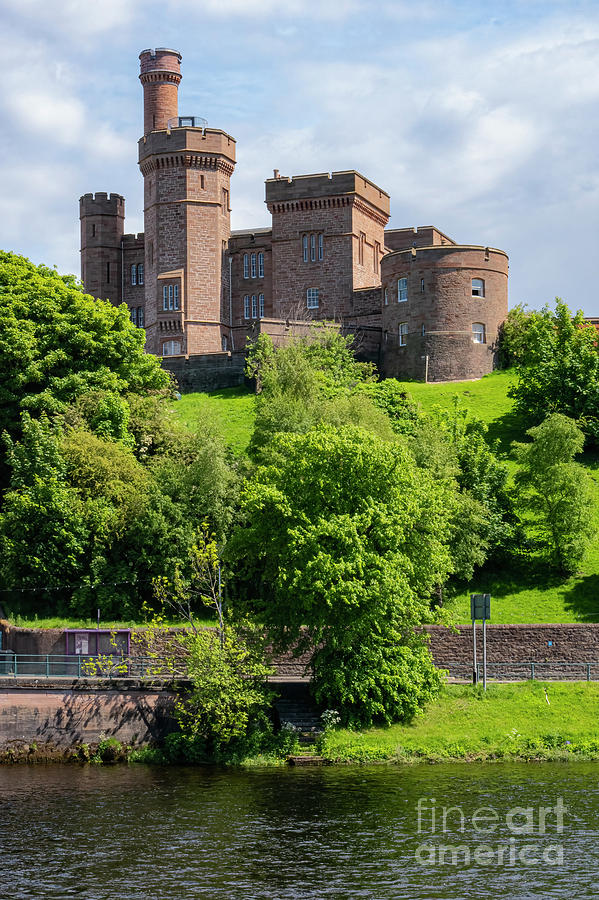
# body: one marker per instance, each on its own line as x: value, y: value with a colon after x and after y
x: 542, y: 670
x: 52, y: 665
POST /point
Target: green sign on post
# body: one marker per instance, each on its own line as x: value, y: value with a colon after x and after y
x: 480, y: 608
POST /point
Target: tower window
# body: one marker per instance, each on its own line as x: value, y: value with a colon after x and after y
x: 246, y: 307
x: 305, y: 247
x: 320, y: 246
x: 165, y: 297
x: 225, y: 201
x: 140, y: 274
x: 253, y: 266
x: 93, y: 230
x: 134, y: 315
x: 170, y: 296
x: 261, y: 265
x: 246, y: 266
x: 403, y: 334
x: 377, y: 254
x: 422, y: 285
x: 423, y: 330
x: 140, y: 317
x: 108, y: 272
x: 402, y: 290
x: 361, y: 242
x: 478, y: 287
x: 171, y: 348
x: 313, y: 247
x: 386, y: 297
x: 133, y: 274
x: 254, y: 307
x: 312, y: 298
x: 261, y: 306
x: 478, y: 333
x: 176, y: 296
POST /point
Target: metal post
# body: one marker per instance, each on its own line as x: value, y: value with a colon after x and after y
x: 474, y: 667
x: 532, y: 671
x: 47, y: 666
x: 484, y: 654
x: 588, y: 671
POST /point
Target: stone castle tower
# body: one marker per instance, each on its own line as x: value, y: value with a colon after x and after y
x: 421, y: 305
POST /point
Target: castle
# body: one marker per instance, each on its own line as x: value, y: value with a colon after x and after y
x: 421, y: 305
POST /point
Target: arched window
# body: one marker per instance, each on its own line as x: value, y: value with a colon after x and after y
x: 478, y: 287
x: 478, y: 333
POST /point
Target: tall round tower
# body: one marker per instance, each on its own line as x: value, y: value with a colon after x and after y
x: 160, y: 76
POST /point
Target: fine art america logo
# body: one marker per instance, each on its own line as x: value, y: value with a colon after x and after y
x: 524, y: 835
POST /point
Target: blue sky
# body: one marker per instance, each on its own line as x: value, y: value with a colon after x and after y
x: 480, y: 118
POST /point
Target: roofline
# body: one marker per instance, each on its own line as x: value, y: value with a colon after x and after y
x: 445, y: 247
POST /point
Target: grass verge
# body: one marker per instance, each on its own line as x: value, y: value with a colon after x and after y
x: 510, y: 721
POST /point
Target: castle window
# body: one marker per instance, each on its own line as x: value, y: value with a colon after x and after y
x: 305, y: 247
x: 140, y: 317
x: 165, y: 297
x: 320, y: 246
x: 246, y: 266
x: 478, y: 287
x: 253, y: 261
x: 246, y: 307
x: 423, y: 330
x: 403, y: 334
x: 225, y: 201
x: 176, y: 298
x: 261, y: 305
x: 478, y: 333
x: 133, y: 315
x: 312, y: 298
x: 254, y: 307
x: 140, y: 274
x: 422, y: 285
x: 133, y: 274
x: 225, y: 343
x: 386, y: 296
x: 376, y: 256
x: 171, y: 348
x: 108, y: 272
x: 361, y: 243
x: 313, y: 247
x: 170, y: 296
x: 261, y: 265
x: 402, y: 290
x: 93, y: 230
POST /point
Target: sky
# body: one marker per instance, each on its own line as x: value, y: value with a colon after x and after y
x: 481, y: 118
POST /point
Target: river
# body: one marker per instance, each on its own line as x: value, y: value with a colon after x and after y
x: 145, y: 833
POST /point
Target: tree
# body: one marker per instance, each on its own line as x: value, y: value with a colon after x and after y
x: 557, y: 490
x: 343, y: 534
x: 57, y: 343
x: 225, y: 665
x: 560, y: 370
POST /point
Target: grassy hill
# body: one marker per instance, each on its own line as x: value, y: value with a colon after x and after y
x: 524, y: 593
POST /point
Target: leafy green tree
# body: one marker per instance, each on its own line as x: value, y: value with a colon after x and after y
x: 343, y: 534
x: 560, y: 371
x: 57, y: 343
x: 557, y: 490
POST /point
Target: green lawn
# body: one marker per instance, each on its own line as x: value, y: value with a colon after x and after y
x: 62, y: 622
x: 510, y: 720
x: 232, y: 408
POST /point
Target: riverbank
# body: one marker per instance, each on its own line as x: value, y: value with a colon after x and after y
x: 529, y: 720
x: 552, y: 721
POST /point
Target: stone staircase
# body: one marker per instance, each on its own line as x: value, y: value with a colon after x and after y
x: 296, y: 707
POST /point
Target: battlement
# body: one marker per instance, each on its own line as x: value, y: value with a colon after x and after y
x: 307, y: 187
x: 162, y: 59
x: 423, y: 236
x: 101, y: 204
x: 129, y: 239
x: 198, y: 141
